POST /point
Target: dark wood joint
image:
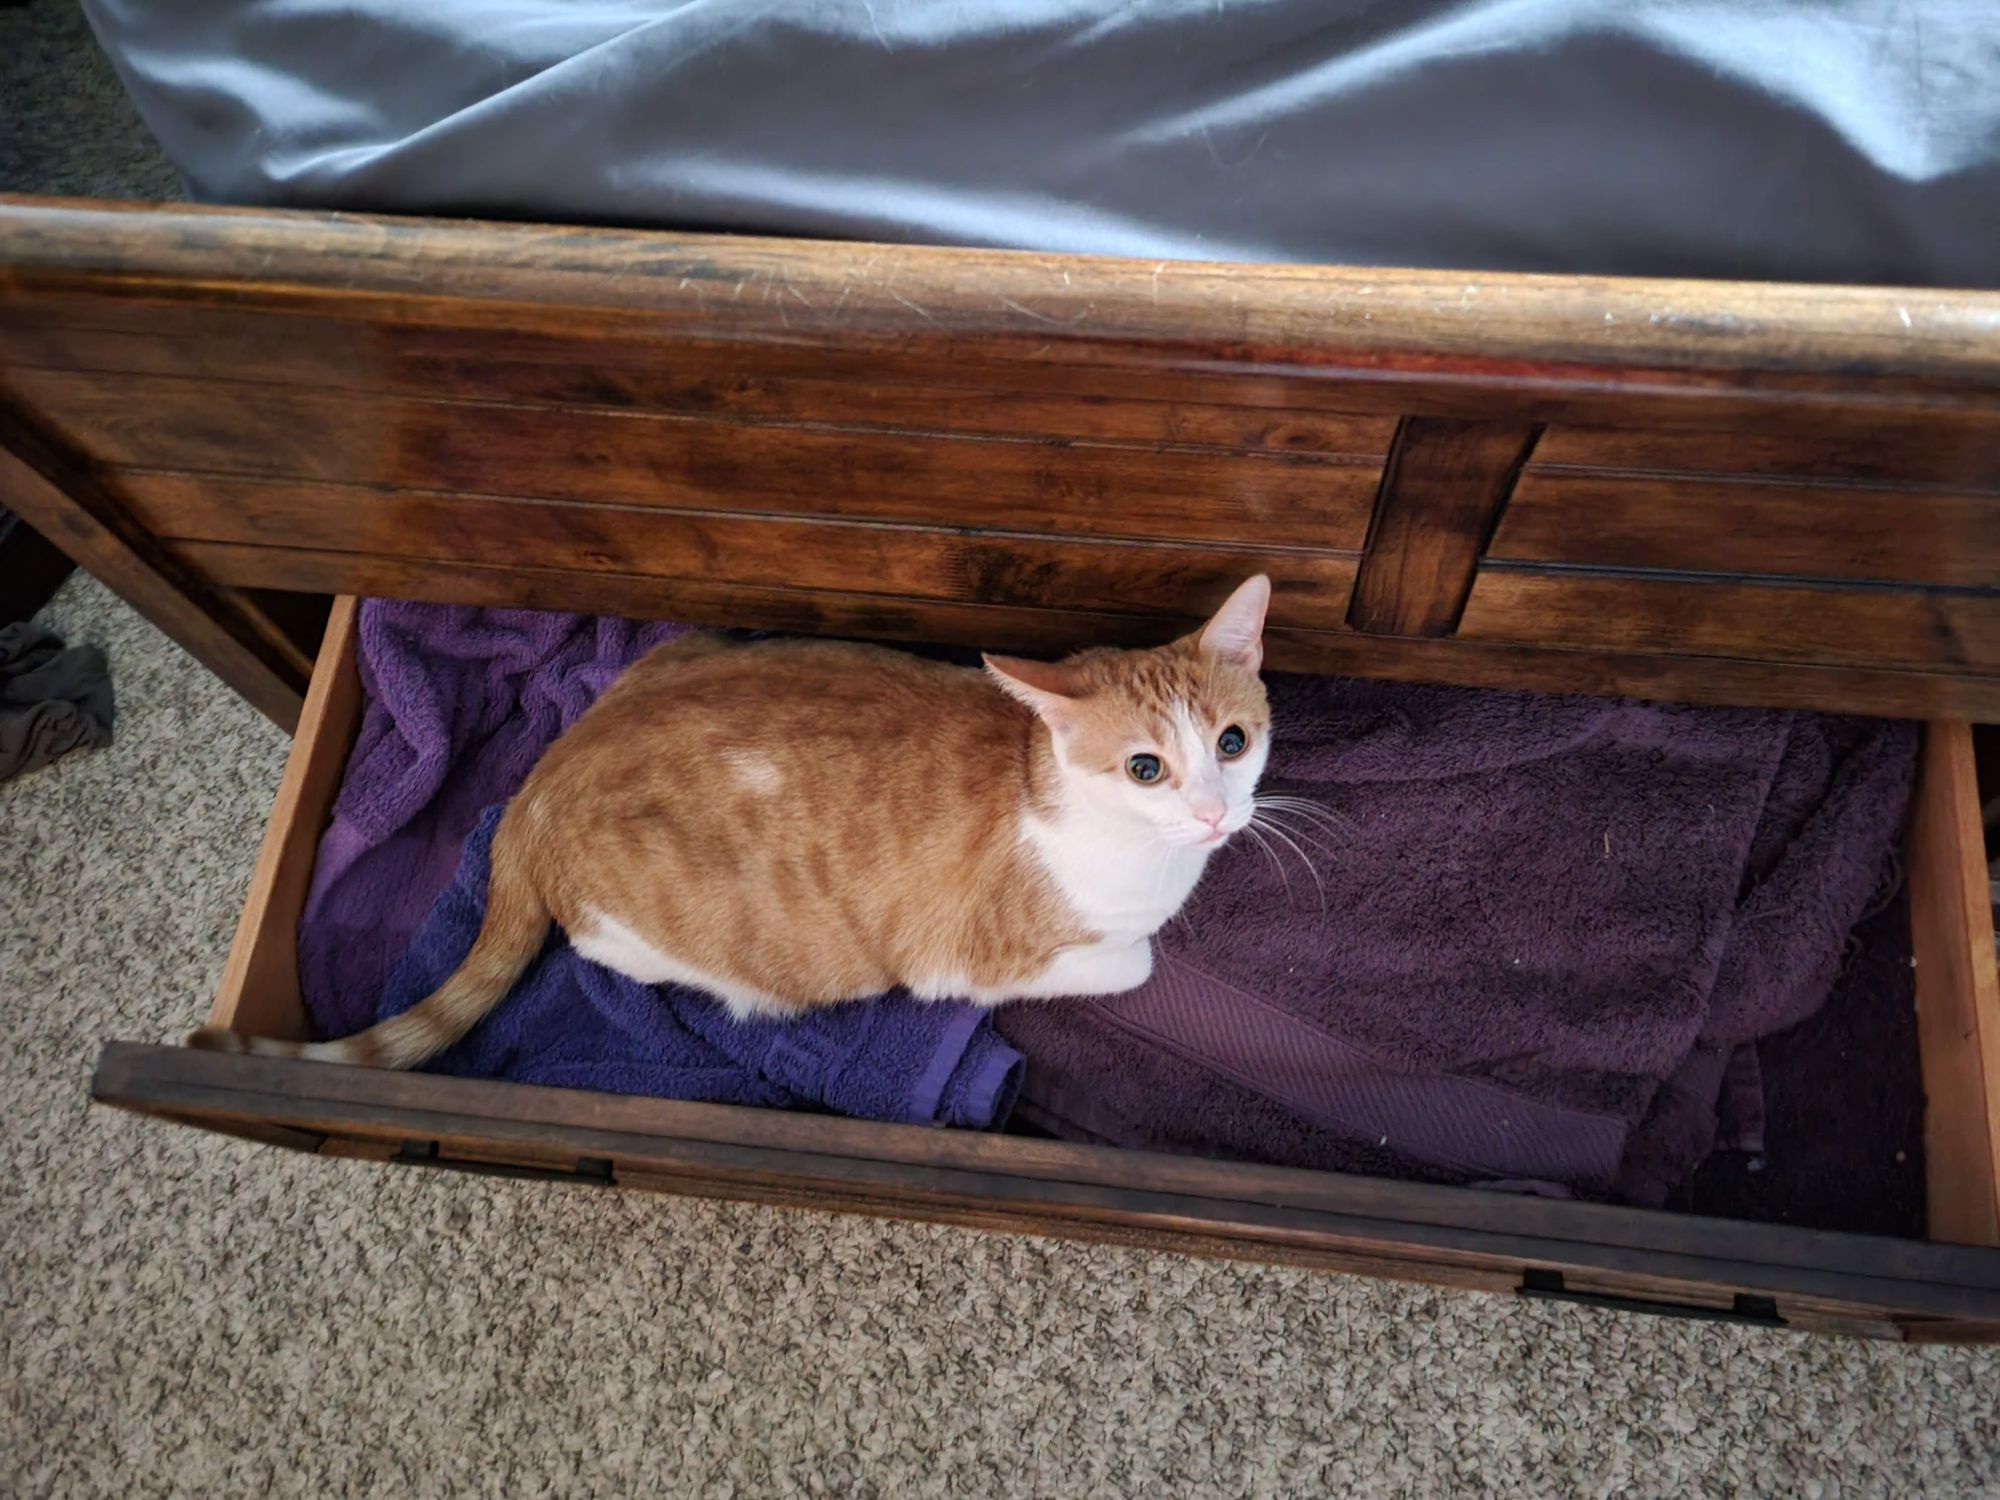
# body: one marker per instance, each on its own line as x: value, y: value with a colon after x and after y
x: 1743, y: 1307
x: 74, y: 506
x: 32, y: 568
x: 1444, y: 487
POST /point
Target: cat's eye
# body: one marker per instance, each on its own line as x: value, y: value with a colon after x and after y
x: 1232, y: 742
x: 1144, y: 768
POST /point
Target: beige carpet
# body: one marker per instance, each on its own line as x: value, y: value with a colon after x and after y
x: 181, y: 1314
x: 186, y: 1314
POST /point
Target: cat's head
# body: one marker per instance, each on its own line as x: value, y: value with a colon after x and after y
x: 1171, y: 739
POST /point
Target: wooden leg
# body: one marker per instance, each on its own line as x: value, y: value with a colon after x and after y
x: 1958, y: 992
x: 224, y: 630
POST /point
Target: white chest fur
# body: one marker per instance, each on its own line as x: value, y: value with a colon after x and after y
x: 1123, y: 888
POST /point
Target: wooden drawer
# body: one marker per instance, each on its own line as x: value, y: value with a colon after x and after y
x: 1703, y: 492
x: 1489, y: 1241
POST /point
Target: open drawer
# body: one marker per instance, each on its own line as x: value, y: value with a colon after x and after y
x: 1704, y: 492
x: 1946, y: 1289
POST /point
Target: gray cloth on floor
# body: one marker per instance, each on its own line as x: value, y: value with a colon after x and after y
x: 52, y: 700
x: 1763, y: 139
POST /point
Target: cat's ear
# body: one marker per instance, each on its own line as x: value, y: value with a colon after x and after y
x: 1235, y: 633
x: 1048, y: 687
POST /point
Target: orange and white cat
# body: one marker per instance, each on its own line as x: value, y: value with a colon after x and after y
x: 790, y: 824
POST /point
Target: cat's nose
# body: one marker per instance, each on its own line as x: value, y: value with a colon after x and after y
x: 1208, y: 809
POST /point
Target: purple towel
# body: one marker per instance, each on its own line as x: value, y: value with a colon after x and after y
x: 1551, y: 928
x: 1844, y: 1096
x: 460, y: 703
x: 575, y: 1024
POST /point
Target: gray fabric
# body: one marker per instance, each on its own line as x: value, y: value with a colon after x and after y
x: 52, y: 701
x: 1787, y: 139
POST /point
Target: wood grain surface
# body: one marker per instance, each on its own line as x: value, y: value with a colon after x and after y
x: 903, y: 439
x: 259, y: 989
x: 1958, y: 992
x: 1700, y: 525
x: 1440, y: 1235
x: 1444, y: 487
x: 70, y: 504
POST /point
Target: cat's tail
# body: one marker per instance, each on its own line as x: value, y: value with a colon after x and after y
x: 516, y: 922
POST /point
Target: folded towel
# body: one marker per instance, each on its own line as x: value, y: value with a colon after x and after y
x: 574, y: 1024
x: 1550, y: 927
x: 460, y: 704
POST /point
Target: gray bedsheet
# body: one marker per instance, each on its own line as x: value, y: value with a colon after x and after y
x: 1854, y: 141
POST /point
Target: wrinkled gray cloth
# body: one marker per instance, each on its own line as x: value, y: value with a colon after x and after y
x: 1781, y: 139
x: 52, y: 701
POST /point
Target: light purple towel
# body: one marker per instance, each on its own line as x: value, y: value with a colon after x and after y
x: 1551, y: 926
x: 460, y: 703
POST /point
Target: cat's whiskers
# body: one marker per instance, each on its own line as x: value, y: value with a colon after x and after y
x: 1310, y: 835
x: 1304, y: 835
x: 1285, y: 838
x: 1307, y: 803
x: 1308, y: 819
x: 1271, y: 854
x: 1310, y: 811
x: 1304, y: 820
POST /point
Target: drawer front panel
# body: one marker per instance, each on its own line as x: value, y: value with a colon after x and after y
x: 1841, y: 545
x: 1734, y: 526
x: 751, y: 382
x: 761, y: 552
x: 1443, y: 1236
x: 1733, y: 493
x: 203, y: 427
x: 1732, y: 618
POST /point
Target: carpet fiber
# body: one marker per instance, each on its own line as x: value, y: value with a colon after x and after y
x: 183, y: 1314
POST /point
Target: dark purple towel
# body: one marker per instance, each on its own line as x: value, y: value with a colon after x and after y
x: 1551, y: 926
x: 1843, y: 1144
x: 460, y: 703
